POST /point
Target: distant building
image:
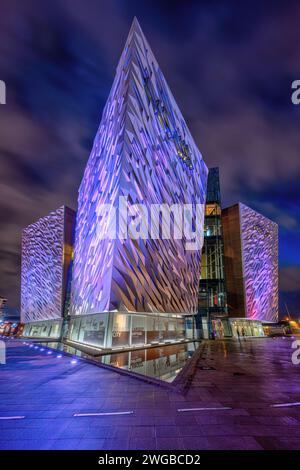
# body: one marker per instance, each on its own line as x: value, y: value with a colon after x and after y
x: 2, y: 304
x: 251, y: 264
x: 47, y: 252
x: 212, y: 288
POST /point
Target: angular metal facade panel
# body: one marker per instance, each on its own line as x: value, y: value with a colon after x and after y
x: 144, y: 151
x: 260, y: 264
x: 43, y: 267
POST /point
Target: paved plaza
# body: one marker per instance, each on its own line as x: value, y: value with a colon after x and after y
x: 241, y: 380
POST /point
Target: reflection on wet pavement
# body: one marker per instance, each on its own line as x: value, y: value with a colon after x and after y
x: 163, y: 363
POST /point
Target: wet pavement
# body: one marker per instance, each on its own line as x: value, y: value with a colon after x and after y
x: 227, y: 403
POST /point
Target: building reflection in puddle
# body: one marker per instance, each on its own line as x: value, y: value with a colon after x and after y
x: 163, y: 362
x: 160, y: 362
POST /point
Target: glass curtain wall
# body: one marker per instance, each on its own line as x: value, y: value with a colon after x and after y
x: 212, y: 291
x: 120, y: 330
x: 249, y: 327
x: 43, y: 329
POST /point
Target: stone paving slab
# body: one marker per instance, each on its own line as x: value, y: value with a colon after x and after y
x: 248, y: 377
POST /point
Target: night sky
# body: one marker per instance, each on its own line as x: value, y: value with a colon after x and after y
x: 230, y: 66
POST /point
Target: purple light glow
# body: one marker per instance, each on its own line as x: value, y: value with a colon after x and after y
x: 42, y: 272
x: 46, y: 254
x: 150, y: 157
x: 260, y: 264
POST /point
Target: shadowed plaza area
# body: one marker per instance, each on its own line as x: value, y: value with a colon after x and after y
x: 242, y: 381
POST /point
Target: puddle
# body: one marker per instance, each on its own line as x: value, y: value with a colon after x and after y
x: 161, y: 362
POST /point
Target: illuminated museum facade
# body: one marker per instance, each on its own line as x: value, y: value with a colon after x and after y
x: 112, y: 292
x: 47, y: 251
x: 125, y: 291
x: 251, y: 263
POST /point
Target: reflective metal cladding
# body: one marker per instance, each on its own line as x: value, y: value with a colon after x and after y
x: 251, y: 263
x: 143, y: 151
x: 47, y: 247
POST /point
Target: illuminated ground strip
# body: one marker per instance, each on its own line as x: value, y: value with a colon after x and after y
x: 285, y: 405
x: 205, y: 409
x: 11, y: 417
x: 103, y: 414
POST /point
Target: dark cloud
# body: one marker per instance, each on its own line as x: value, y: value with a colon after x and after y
x: 290, y: 279
x: 290, y: 290
x: 229, y: 64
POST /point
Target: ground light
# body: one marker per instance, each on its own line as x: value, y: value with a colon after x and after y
x: 49, y: 352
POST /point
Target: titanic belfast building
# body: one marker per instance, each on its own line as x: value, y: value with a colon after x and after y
x: 87, y: 279
x: 127, y: 291
x: 47, y: 251
x: 251, y: 268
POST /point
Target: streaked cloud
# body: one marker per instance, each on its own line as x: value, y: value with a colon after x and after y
x: 230, y: 68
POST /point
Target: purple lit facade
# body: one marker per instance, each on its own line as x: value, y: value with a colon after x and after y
x: 123, y: 292
x: 47, y: 250
x: 143, y: 151
x: 251, y: 263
